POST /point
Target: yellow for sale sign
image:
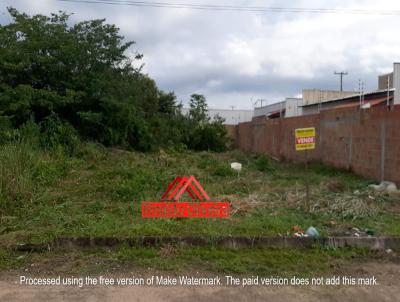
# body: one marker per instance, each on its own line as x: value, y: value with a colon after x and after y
x: 305, y: 139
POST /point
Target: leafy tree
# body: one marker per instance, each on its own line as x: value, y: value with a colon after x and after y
x: 198, y: 108
x: 81, y: 73
x: 80, y: 80
x: 203, y: 134
x: 167, y: 104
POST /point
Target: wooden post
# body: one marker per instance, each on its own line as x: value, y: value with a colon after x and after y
x: 307, y: 201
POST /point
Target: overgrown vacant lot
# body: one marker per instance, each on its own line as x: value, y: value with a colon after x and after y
x: 98, y: 193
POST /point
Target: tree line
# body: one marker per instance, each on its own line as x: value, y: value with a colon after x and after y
x: 79, y: 82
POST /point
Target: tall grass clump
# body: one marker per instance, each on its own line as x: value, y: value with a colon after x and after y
x: 25, y: 165
x: 17, y: 169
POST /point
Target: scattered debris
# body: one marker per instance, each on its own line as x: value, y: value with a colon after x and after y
x: 384, y: 187
x: 297, y: 229
x: 243, y: 205
x: 357, y: 232
x: 348, y: 206
x: 340, y: 205
x: 341, y: 230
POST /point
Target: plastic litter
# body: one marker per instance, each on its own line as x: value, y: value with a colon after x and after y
x: 385, y: 187
x: 312, y: 232
x: 236, y: 166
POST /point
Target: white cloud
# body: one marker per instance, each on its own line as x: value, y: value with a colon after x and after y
x: 232, y: 56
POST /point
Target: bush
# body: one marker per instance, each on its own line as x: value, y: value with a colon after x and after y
x: 58, y: 135
x: 209, y: 137
x: 29, y: 133
x: 263, y: 164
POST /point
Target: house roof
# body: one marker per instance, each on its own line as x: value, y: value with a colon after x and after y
x: 368, y: 94
x: 373, y: 102
x: 276, y: 113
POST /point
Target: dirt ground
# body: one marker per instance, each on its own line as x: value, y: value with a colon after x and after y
x: 387, y: 275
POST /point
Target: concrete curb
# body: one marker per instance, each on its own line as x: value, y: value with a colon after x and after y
x: 370, y: 243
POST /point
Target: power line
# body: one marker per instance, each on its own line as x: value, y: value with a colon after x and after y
x: 212, y: 7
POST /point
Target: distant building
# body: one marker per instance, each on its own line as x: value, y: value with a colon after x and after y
x: 293, y: 107
x: 388, y: 93
x: 271, y: 111
x: 385, y: 81
x: 314, y: 96
x: 366, y: 100
x: 314, y: 101
x: 288, y: 108
x: 231, y: 117
x: 391, y: 81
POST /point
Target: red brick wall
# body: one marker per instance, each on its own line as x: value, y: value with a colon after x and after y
x: 366, y: 142
x: 231, y: 131
x: 244, y: 136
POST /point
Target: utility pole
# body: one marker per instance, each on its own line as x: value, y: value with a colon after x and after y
x: 342, y: 73
x: 320, y: 101
x: 261, y: 102
x: 361, y: 92
x: 388, y: 92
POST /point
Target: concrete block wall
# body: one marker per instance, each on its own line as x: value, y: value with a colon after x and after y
x: 366, y: 142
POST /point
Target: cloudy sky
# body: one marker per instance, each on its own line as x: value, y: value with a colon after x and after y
x: 236, y: 57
